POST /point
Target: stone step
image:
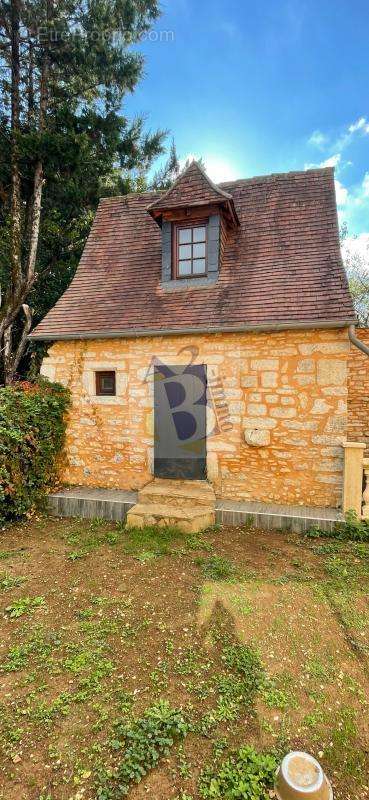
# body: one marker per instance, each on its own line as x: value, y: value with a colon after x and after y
x: 178, y: 493
x: 188, y: 520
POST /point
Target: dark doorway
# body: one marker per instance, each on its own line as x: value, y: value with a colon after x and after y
x: 180, y: 398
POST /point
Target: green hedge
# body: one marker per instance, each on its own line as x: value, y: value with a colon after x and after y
x: 32, y: 430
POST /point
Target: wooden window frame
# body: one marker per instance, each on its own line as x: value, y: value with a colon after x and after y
x: 185, y: 225
x: 99, y: 374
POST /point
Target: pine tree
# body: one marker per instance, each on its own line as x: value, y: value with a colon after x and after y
x: 65, y: 69
x: 165, y: 177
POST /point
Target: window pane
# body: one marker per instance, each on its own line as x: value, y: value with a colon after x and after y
x: 107, y: 384
x: 185, y: 235
x: 199, y: 250
x: 185, y: 251
x: 199, y: 266
x: 199, y: 234
x: 184, y: 267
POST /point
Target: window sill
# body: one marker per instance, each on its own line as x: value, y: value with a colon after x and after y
x: 105, y: 400
x: 183, y: 284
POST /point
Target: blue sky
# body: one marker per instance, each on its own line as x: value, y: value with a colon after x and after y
x: 265, y: 87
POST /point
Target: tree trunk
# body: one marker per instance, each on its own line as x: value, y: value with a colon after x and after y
x: 16, y: 222
x: 22, y: 277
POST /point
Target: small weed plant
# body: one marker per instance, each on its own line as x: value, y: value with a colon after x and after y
x: 25, y: 605
x: 216, y: 568
x: 8, y: 582
x: 143, y: 742
x: 247, y: 774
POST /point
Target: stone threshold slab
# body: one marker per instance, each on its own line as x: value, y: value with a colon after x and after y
x: 113, y: 504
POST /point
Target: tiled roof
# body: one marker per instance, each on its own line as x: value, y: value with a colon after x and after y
x: 282, y: 265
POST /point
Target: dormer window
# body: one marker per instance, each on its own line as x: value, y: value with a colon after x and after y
x: 195, y: 217
x: 190, y: 249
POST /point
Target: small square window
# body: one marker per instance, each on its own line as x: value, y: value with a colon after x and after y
x: 105, y: 384
x: 190, y: 250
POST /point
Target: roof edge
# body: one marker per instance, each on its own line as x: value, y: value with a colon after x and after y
x: 133, y: 333
x: 318, y: 171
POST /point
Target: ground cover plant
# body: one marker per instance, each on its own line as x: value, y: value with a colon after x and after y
x: 150, y: 663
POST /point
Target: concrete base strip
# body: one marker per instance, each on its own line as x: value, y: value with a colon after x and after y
x: 114, y: 505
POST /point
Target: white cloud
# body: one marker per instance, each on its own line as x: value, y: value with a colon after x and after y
x: 321, y: 140
x: 341, y: 193
x: 218, y: 169
x: 360, y: 125
x: 318, y: 139
x: 366, y: 185
x: 332, y: 161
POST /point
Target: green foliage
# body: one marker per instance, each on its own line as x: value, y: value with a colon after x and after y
x: 184, y: 796
x: 196, y: 541
x: 276, y: 692
x: 8, y: 582
x: 32, y: 432
x: 38, y: 645
x: 246, y: 663
x: 237, y: 688
x: 16, y: 660
x: 144, y: 742
x: 25, y: 605
x: 164, y: 177
x: 91, y: 537
x: 352, y: 529
x: 151, y: 541
x: 216, y: 568
x: 246, y: 774
x: 356, y: 265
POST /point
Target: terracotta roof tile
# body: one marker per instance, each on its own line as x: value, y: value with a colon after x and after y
x: 282, y: 265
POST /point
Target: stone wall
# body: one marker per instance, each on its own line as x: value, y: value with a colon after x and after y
x: 358, y: 395
x: 287, y: 390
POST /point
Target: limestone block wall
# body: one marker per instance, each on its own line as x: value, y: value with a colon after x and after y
x: 358, y: 392
x: 277, y: 412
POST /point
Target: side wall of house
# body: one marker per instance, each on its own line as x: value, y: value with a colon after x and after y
x: 358, y: 395
x: 285, y: 391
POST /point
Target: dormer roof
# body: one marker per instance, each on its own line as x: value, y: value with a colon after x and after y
x: 193, y: 188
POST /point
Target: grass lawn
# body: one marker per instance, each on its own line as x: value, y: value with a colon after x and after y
x: 151, y: 655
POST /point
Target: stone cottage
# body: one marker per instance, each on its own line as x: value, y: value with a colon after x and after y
x: 204, y: 337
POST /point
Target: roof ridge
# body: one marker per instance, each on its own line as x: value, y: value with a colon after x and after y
x: 218, y: 187
x: 292, y: 173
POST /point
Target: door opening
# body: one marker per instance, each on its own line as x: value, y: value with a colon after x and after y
x: 180, y: 400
